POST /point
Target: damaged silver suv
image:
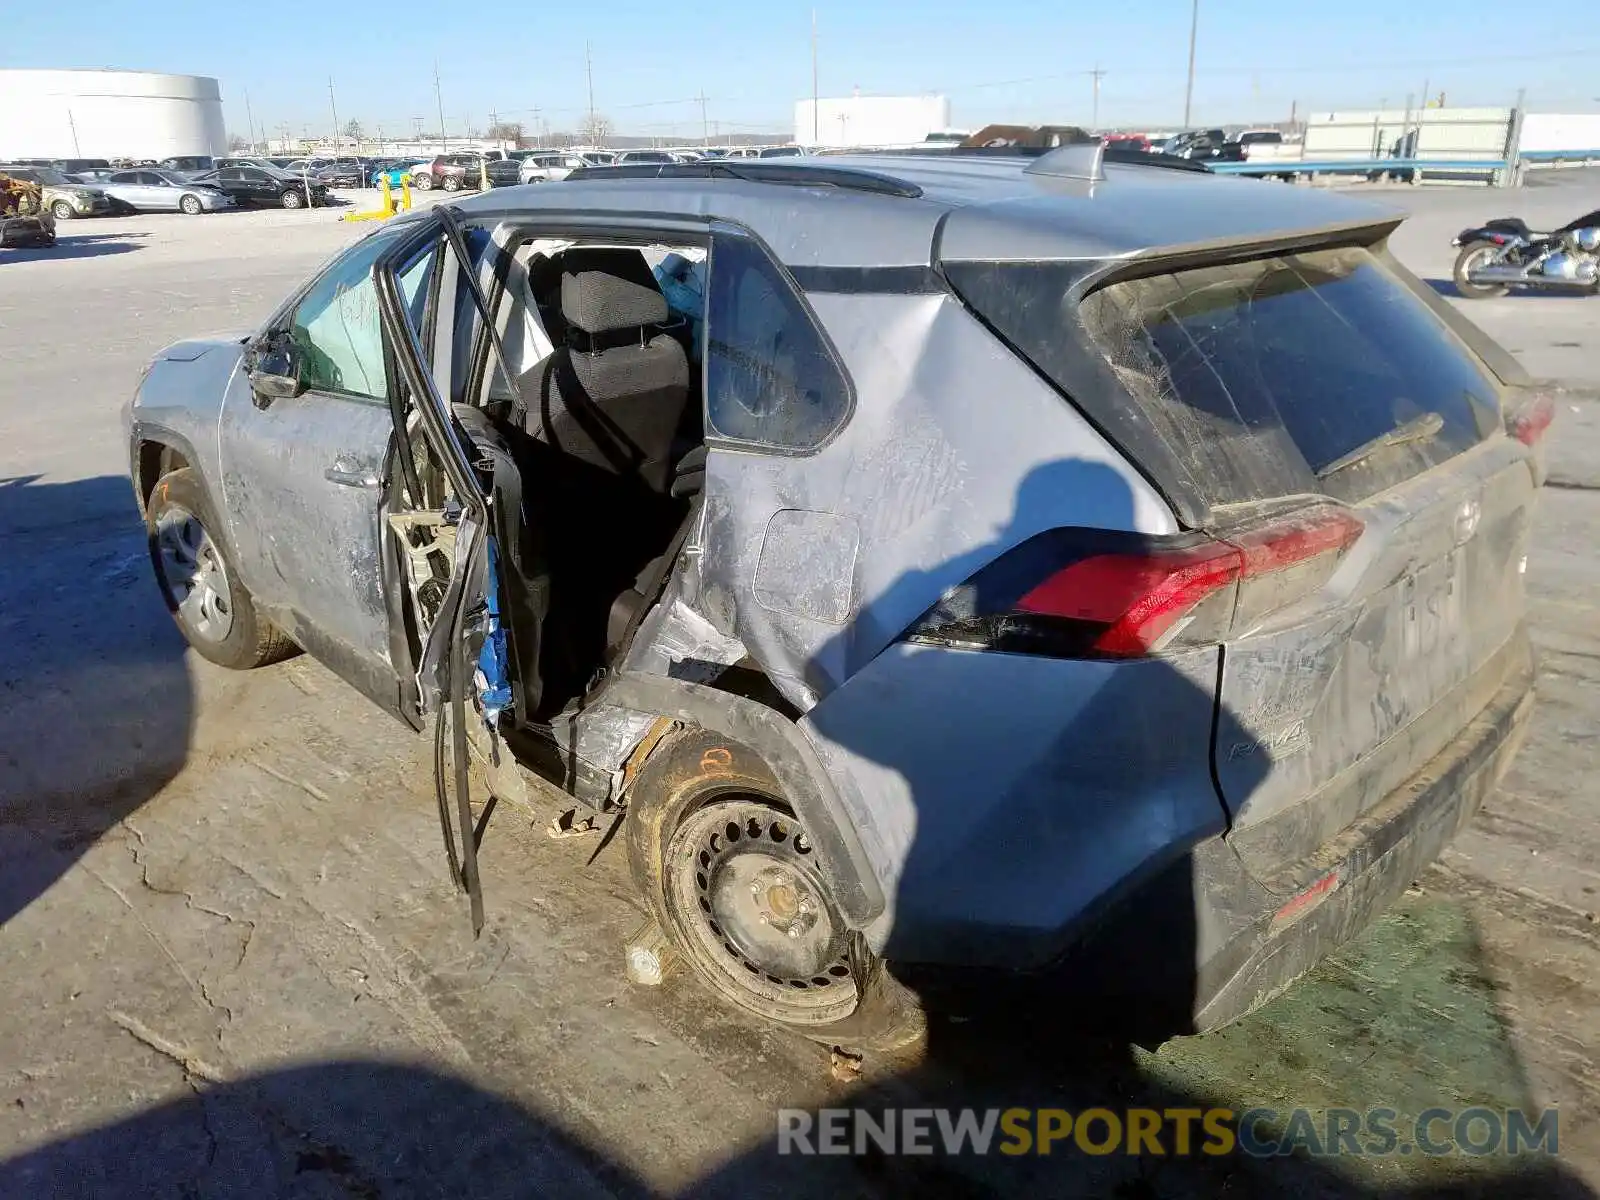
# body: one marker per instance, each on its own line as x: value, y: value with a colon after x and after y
x: 1101, y: 575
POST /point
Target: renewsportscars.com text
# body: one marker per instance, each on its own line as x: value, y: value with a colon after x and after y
x: 1258, y: 1132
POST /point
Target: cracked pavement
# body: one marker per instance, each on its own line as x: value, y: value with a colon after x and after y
x: 234, y: 964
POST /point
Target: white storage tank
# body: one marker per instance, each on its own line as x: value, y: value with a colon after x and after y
x: 109, y: 114
x: 870, y: 120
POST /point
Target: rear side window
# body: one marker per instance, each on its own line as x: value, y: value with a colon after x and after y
x: 770, y: 377
x: 1316, y: 372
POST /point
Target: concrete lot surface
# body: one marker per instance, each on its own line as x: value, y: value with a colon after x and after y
x: 233, y: 964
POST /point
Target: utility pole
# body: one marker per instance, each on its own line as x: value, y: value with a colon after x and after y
x: 494, y: 129
x: 1188, y: 91
x: 705, y: 122
x: 250, y: 121
x: 438, y: 99
x: 588, y: 66
x: 816, y: 108
x: 1094, y: 120
x: 333, y: 106
x: 73, y: 125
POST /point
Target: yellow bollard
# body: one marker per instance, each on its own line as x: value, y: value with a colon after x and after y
x: 385, y: 209
x: 405, y: 193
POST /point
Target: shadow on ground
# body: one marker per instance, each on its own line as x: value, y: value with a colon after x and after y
x: 96, y: 703
x: 1448, y: 289
x: 82, y: 245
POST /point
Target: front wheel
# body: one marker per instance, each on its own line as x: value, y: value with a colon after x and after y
x: 1472, y: 256
x: 62, y: 211
x: 212, y: 607
x: 293, y: 200
x: 191, y: 205
x: 423, y: 183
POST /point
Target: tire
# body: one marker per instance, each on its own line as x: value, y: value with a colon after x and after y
x: 423, y: 183
x: 293, y: 199
x: 1469, y: 290
x: 211, y: 605
x: 62, y: 211
x: 191, y: 205
x: 452, y: 184
x: 709, y: 835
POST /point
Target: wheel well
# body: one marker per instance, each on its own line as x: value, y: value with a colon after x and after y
x: 155, y: 460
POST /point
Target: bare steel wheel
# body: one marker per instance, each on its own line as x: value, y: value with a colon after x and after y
x: 745, y: 893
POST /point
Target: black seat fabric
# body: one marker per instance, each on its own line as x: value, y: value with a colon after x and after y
x: 604, y: 415
x: 615, y: 395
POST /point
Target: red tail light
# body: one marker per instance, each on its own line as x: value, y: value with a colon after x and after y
x: 1529, y: 420
x: 1123, y: 602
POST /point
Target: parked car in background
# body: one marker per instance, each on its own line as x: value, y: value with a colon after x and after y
x: 265, y: 163
x: 196, y: 163
x: 76, y: 166
x: 152, y: 190
x: 1201, y: 144
x: 259, y: 186
x: 628, y: 158
x: 548, y: 168
x: 396, y: 170
x: 342, y: 174
x: 1127, y: 141
x: 780, y: 152
x: 448, y: 172
x: 64, y: 196
x: 504, y: 171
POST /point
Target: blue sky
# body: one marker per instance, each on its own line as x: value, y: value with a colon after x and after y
x: 1024, y: 60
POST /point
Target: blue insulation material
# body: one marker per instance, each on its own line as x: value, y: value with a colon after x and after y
x: 493, y: 677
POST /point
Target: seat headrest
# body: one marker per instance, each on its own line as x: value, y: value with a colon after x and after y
x: 608, y: 289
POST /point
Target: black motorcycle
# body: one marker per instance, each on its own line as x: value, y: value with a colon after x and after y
x: 1504, y: 253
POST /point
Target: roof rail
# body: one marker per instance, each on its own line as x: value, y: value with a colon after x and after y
x: 1110, y: 154
x: 796, y: 174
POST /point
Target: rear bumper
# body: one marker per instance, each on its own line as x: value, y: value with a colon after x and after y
x: 1202, y: 942
x: 1362, y: 870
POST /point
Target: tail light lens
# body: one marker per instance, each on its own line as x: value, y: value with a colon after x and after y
x: 1088, y: 594
x: 1528, y: 421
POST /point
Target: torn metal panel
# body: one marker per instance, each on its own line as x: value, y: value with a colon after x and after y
x: 673, y: 641
x: 817, y: 563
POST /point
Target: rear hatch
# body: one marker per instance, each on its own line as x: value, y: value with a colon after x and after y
x: 1325, y: 426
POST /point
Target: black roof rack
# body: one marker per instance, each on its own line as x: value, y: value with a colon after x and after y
x: 757, y: 171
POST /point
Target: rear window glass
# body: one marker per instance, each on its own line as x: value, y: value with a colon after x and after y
x: 1313, y: 372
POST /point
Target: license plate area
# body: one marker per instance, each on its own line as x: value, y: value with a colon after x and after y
x: 1430, y: 610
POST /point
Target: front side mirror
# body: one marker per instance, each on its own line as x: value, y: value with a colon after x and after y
x: 274, y: 373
